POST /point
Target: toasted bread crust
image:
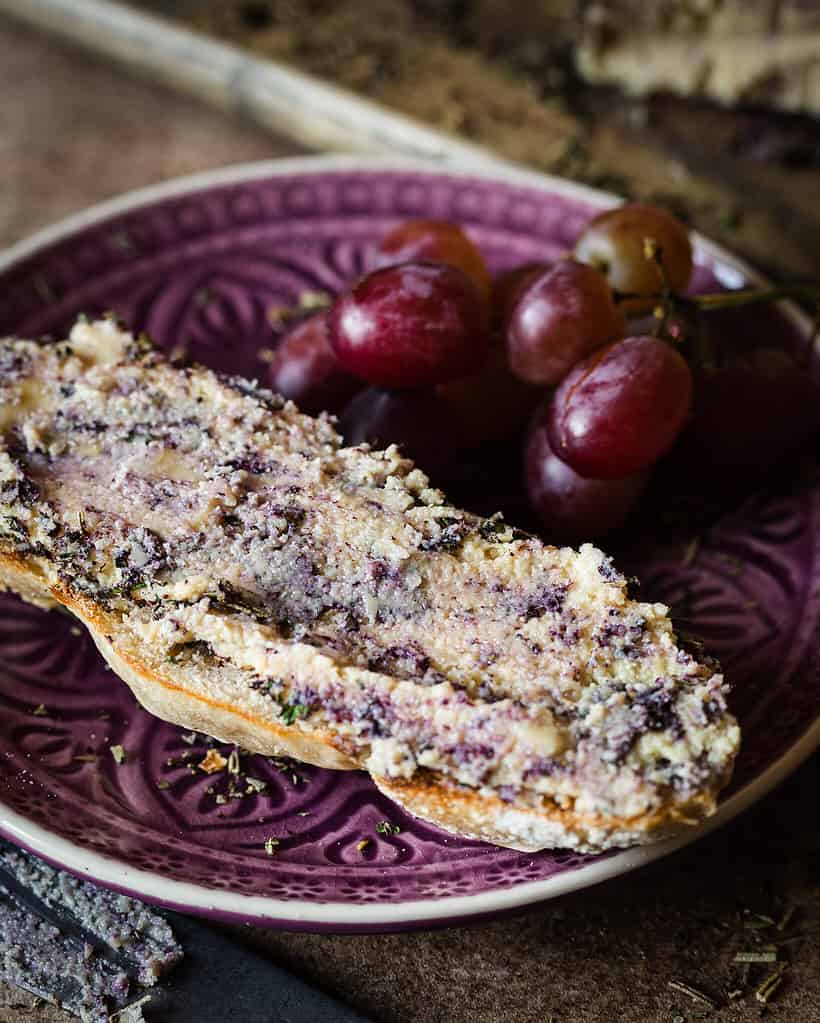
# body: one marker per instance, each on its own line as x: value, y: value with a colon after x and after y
x: 165, y: 696
x: 488, y: 818
x: 471, y: 814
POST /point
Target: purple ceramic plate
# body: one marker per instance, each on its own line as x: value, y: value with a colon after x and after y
x: 200, y: 263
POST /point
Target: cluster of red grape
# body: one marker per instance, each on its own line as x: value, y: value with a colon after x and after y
x: 454, y: 360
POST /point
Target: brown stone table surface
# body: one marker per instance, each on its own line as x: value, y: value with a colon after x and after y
x: 74, y: 131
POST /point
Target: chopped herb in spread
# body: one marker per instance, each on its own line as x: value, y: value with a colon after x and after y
x: 271, y: 845
x: 118, y: 753
x: 293, y: 711
x: 386, y: 828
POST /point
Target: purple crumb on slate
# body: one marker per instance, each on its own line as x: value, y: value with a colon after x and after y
x: 37, y: 956
x: 127, y: 925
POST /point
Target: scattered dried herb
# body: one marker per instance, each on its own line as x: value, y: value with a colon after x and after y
x: 212, y: 762
x: 758, y: 922
x: 691, y: 992
x: 386, y: 828
x: 767, y: 990
x: 271, y: 845
x: 309, y: 300
x: 279, y: 314
x: 734, y: 564
x: 762, y: 955
x: 691, y: 552
x: 118, y: 753
x: 40, y: 711
x: 364, y: 844
x: 785, y: 920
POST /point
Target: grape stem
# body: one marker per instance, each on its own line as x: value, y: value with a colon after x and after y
x: 730, y: 299
x: 668, y: 300
x: 808, y: 293
x: 749, y: 296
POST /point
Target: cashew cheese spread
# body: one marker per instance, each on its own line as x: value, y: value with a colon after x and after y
x: 338, y: 593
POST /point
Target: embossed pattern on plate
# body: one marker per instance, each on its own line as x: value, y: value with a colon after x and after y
x: 201, y: 271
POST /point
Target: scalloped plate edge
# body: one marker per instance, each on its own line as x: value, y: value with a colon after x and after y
x: 416, y: 913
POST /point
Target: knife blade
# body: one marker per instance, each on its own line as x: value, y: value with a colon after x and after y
x: 221, y: 981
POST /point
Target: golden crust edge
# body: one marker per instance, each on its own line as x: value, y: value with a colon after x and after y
x: 166, y: 698
x: 455, y: 809
x: 488, y: 818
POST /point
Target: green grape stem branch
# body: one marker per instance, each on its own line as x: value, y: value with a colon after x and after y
x: 668, y: 302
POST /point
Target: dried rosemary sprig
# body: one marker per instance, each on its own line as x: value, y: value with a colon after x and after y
x: 692, y: 992
x: 767, y: 990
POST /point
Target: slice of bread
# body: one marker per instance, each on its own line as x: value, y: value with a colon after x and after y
x: 249, y: 577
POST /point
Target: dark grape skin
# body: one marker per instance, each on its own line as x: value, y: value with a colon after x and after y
x: 493, y: 403
x: 558, y: 318
x: 418, y: 421
x: 412, y: 325
x: 570, y: 507
x: 622, y: 408
x: 749, y: 416
x: 435, y: 241
x: 613, y: 242
x: 506, y: 289
x: 305, y: 369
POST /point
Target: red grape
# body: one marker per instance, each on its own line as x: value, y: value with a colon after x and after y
x: 618, y: 411
x: 492, y: 403
x: 435, y: 241
x: 411, y: 325
x: 571, y: 507
x: 748, y: 416
x: 613, y: 242
x: 508, y: 286
x: 559, y: 318
x: 305, y: 369
x: 418, y: 421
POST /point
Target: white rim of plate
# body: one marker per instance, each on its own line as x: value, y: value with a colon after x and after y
x: 180, y: 894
